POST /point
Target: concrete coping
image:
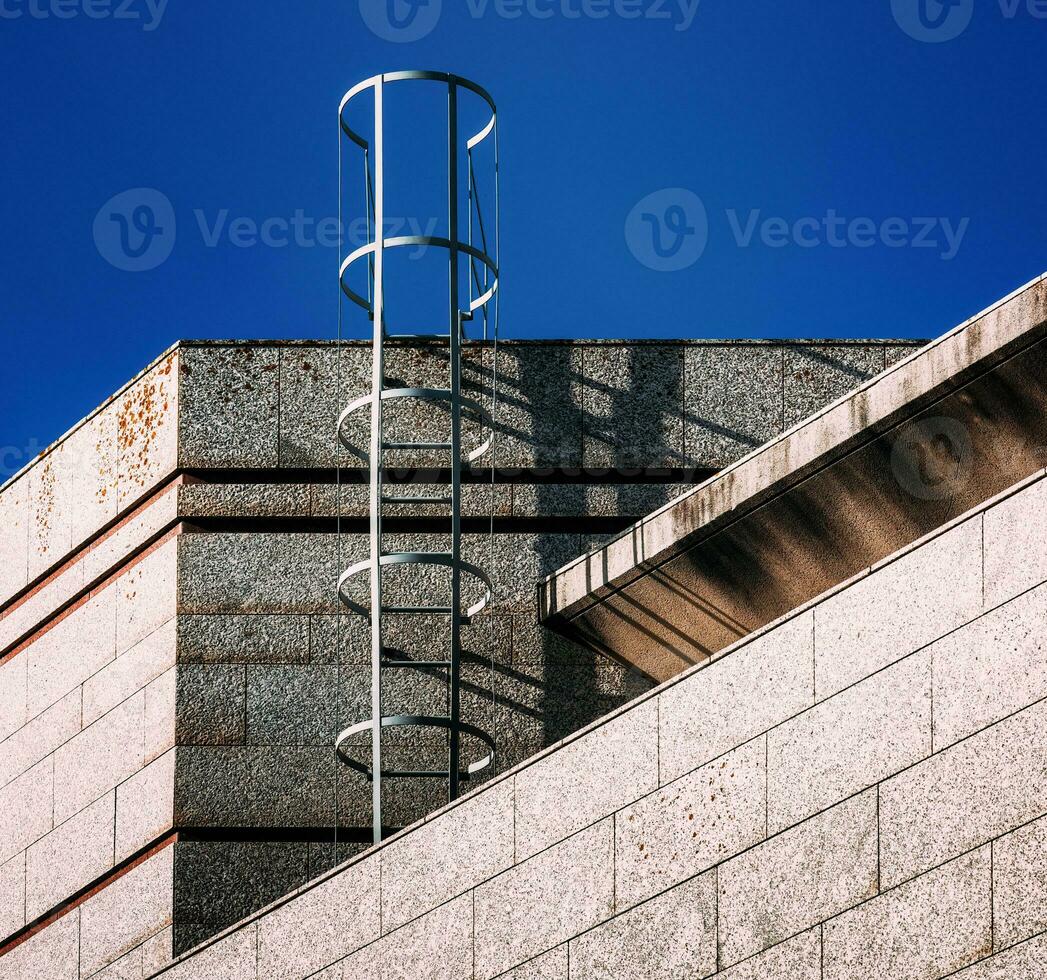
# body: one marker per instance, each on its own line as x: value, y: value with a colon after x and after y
x: 945, y: 364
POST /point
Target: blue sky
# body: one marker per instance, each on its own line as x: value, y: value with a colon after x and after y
x: 719, y: 168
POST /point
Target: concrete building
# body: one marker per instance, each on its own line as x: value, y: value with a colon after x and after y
x: 841, y: 774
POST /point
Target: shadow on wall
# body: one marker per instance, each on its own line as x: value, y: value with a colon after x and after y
x: 578, y: 685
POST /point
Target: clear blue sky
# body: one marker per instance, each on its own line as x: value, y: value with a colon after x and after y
x: 804, y: 121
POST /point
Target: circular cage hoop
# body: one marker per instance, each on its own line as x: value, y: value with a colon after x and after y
x: 414, y: 721
x: 430, y: 558
x: 414, y: 76
x: 423, y: 394
x: 404, y: 241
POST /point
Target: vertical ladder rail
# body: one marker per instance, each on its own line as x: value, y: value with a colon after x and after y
x: 377, y: 610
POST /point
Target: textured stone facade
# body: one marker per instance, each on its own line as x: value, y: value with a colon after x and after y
x: 889, y: 822
x: 174, y: 666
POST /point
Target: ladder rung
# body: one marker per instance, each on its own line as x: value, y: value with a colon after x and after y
x: 416, y: 445
x: 416, y: 500
x: 416, y: 663
x: 412, y: 610
x: 415, y: 773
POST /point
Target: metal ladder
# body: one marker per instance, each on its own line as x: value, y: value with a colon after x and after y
x: 481, y: 303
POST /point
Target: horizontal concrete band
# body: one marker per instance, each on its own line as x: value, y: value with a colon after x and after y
x: 861, y: 768
x: 847, y: 488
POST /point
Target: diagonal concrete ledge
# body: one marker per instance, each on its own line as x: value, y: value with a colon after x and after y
x: 938, y: 433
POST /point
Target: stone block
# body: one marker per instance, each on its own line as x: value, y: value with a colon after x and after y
x: 93, y: 479
x: 1024, y: 962
x: 1020, y: 884
x: 733, y: 401
x: 989, y: 669
x: 14, y: 538
x: 548, y: 966
x: 630, y: 500
x: 323, y: 924
x: 147, y: 431
x: 295, y: 705
x: 797, y: 879
x: 438, y: 860
x: 126, y: 912
x: 146, y: 596
x: 854, y: 740
x: 316, y: 384
x: 12, y: 896
x: 759, y: 685
x: 197, y: 500
x: 671, y: 937
x: 159, y: 716
x: 233, y: 957
x: 1016, y: 544
x: 26, y: 809
x: 130, y: 672
x: 218, y: 883
x: 13, y: 695
x: 128, y: 967
x: 437, y: 946
x: 145, y: 806
x: 256, y: 573
x: 210, y: 704
x: 254, y: 639
x: 898, y: 609
x: 587, y: 779
x: 262, y: 786
x: 894, y: 353
x: 230, y: 403
x: 544, y: 901
x: 540, y: 404
x: 99, y: 758
x: 632, y: 405
x: 40, y: 737
x: 691, y: 824
x: 930, y: 927
x: 50, y: 510
x: 156, y: 952
x: 69, y: 858
x: 963, y: 797
x: 52, y: 954
x: 799, y: 958
x: 74, y: 649
x: 818, y: 374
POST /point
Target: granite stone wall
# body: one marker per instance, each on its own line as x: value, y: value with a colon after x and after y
x: 858, y: 790
x: 196, y: 688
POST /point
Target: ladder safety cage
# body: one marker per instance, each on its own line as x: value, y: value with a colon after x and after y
x: 481, y: 303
